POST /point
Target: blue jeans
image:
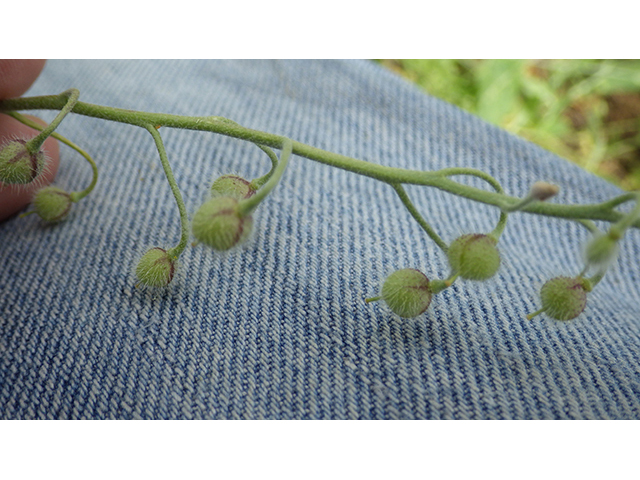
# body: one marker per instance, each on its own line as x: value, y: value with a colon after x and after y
x: 279, y: 328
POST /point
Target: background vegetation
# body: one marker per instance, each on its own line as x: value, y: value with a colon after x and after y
x: 587, y: 111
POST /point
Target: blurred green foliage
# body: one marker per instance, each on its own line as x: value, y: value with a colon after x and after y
x: 587, y: 111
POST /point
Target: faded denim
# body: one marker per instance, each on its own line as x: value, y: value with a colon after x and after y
x: 279, y: 328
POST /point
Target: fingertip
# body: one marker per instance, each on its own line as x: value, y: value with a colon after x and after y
x: 16, y: 76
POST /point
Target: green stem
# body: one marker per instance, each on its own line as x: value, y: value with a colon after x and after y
x: 614, y: 202
x: 539, y: 191
x: 502, y: 221
x: 631, y: 217
x: 589, y: 225
x: 520, y: 205
x: 452, y: 278
x: 259, y: 182
x: 75, y: 196
x: 184, y: 220
x: 447, y: 172
x: 602, y: 211
x: 250, y: 204
x: 616, y: 232
x: 535, y: 314
x: 71, y: 97
x: 593, y: 281
x: 418, y: 218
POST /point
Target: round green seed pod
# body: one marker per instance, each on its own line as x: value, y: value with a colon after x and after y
x: 155, y: 268
x: 474, y: 257
x: 52, y: 204
x: 232, y: 186
x: 407, y: 292
x: 17, y: 165
x: 564, y: 298
x: 219, y: 224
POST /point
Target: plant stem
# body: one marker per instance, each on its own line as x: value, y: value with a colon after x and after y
x: 418, y: 218
x: 259, y: 182
x: 75, y: 196
x: 602, y: 211
x: 502, y: 221
x: 593, y: 281
x: 589, y: 225
x: 631, y: 217
x: 71, y: 97
x: 248, y: 205
x: 184, y: 220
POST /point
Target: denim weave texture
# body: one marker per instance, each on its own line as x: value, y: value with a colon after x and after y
x: 278, y: 328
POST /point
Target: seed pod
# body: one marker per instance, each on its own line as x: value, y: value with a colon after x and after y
x: 564, y: 298
x: 232, y: 186
x: 407, y: 292
x: 219, y: 223
x: 474, y: 257
x: 52, y: 204
x: 18, y: 165
x: 156, y: 268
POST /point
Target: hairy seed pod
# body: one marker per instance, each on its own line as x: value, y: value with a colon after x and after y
x: 219, y: 223
x: 474, y: 257
x: 17, y: 165
x: 232, y: 186
x: 564, y: 298
x: 407, y: 292
x: 156, y: 268
x: 52, y: 204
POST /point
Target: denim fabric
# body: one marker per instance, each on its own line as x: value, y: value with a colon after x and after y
x: 279, y: 328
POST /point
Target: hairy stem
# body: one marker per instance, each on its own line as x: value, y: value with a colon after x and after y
x: 251, y: 203
x: 259, y: 182
x: 601, y: 211
x: 70, y: 98
x: 418, y: 218
x: 184, y: 220
x: 75, y: 196
x: 502, y: 221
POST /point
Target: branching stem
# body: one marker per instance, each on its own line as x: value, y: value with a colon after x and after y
x: 602, y: 211
x: 75, y: 196
x: 250, y: 204
x: 70, y: 97
x: 502, y: 221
